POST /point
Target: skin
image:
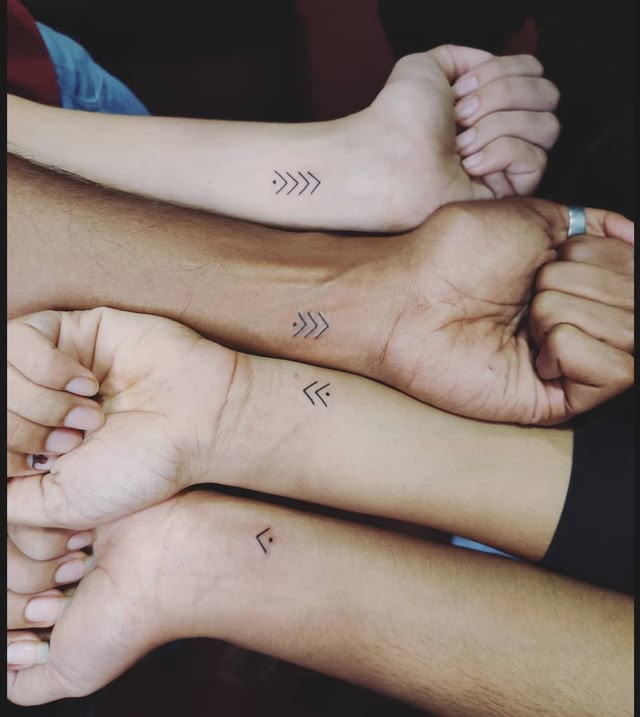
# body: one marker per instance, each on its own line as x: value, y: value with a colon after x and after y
x: 406, y: 310
x: 402, y: 161
x: 429, y: 624
x: 228, y: 417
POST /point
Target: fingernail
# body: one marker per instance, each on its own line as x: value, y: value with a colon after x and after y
x: 464, y: 139
x: 80, y: 540
x: 473, y: 160
x: 45, y: 609
x: 82, y: 386
x: 84, y: 418
x: 466, y: 84
x: 39, y: 462
x: 467, y: 107
x: 62, y: 441
x: 73, y: 571
x: 27, y: 653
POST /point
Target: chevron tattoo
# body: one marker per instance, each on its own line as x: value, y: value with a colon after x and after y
x: 317, y: 393
x: 290, y: 182
x: 302, y: 324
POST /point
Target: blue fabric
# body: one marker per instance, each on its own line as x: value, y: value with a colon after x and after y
x: 472, y: 545
x: 84, y: 85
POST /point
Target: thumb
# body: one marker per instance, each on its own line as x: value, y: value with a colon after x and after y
x: 455, y: 60
x: 32, y: 348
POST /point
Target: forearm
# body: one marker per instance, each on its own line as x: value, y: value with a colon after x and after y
x: 454, y: 633
x: 75, y: 245
x: 237, y: 169
x: 336, y: 439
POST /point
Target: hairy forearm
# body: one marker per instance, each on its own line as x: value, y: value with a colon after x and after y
x: 454, y: 633
x: 295, y: 175
x: 75, y: 245
x: 337, y: 439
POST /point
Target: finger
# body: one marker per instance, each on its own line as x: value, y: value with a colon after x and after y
x: 499, y: 185
x: 539, y: 128
x: 456, y: 61
x: 48, y: 407
x: 32, y: 350
x: 599, y: 222
x: 523, y: 163
x: 495, y: 68
x: 607, y: 252
x: 591, y: 372
x: 25, y: 575
x: 620, y: 227
x: 25, y: 464
x: 588, y: 282
x: 47, y: 543
x: 24, y: 650
x: 24, y: 436
x: 606, y: 323
x: 509, y: 93
x: 35, y: 611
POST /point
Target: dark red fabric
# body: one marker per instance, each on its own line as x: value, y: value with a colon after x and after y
x: 30, y: 72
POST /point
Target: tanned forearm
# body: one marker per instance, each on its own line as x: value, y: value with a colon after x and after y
x: 452, y: 632
x: 75, y: 245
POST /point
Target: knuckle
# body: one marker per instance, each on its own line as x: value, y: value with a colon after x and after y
x: 546, y: 277
x: 622, y: 371
x: 533, y: 64
x: 552, y: 130
x: 558, y: 337
x: 552, y: 92
x: 544, y: 306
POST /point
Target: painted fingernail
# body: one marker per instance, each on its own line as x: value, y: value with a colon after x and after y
x: 84, y: 418
x: 467, y: 107
x: 45, y: 609
x: 27, y: 653
x: 473, y: 160
x: 73, y: 571
x: 464, y: 139
x: 466, y: 84
x: 82, y: 386
x: 39, y: 462
x: 80, y: 540
x: 62, y: 441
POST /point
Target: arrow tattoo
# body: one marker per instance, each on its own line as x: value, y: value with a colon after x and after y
x: 317, y: 392
x: 305, y: 323
x: 266, y: 530
x: 307, y: 182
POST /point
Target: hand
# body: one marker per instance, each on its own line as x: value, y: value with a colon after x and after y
x: 114, y: 617
x: 47, y: 408
x: 461, y: 340
x: 162, y: 389
x: 39, y: 560
x: 581, y: 319
x: 503, y: 103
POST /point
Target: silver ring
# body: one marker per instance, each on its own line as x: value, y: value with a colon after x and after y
x: 577, y: 221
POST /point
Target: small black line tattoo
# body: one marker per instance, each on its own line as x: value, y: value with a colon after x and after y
x: 266, y: 530
x: 296, y: 182
x: 283, y: 180
x: 317, y: 180
x: 316, y: 392
x: 316, y: 323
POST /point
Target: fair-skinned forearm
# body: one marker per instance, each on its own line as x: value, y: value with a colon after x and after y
x: 224, y: 167
x: 453, y: 632
x: 377, y: 451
